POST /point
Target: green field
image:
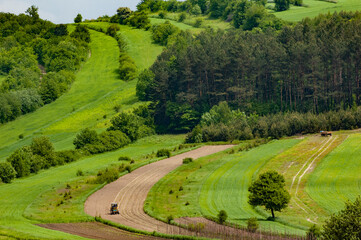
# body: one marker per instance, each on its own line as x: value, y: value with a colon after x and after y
x: 20, y: 200
x: 220, y: 183
x: 91, y: 100
x: 313, y: 8
x: 337, y: 178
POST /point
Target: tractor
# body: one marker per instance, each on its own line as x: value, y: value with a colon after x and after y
x: 114, y: 208
x: 325, y: 133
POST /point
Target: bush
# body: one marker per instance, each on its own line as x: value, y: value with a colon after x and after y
x: 162, y: 15
x: 170, y: 218
x: 252, y: 224
x: 161, y: 32
x: 67, y: 156
x: 86, y: 136
x: 163, y: 153
x: 128, y: 168
x: 198, y: 23
x: 313, y: 232
x: 21, y: 161
x: 182, y: 17
x: 222, y: 216
x: 187, y: 160
x: 79, y: 172
x: 124, y: 158
x: 107, y: 175
x: 112, y: 30
x: 7, y: 172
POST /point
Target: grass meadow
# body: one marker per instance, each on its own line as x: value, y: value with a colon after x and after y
x: 337, y: 178
x: 218, y: 182
x: 312, y: 8
x: 91, y: 100
x: 25, y: 201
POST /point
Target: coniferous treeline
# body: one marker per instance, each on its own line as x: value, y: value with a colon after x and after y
x: 37, y: 61
x: 313, y: 66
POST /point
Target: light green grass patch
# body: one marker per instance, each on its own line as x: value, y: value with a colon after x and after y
x: 313, y: 8
x: 337, y: 178
x: 20, y: 198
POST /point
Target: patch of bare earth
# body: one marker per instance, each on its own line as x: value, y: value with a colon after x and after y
x: 96, y: 230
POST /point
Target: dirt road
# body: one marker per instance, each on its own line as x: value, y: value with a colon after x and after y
x: 131, y: 190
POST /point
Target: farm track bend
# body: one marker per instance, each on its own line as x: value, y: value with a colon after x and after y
x: 131, y: 190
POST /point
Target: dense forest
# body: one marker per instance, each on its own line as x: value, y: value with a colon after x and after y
x: 312, y: 66
x: 37, y: 61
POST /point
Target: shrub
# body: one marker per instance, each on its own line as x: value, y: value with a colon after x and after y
x: 161, y: 32
x: 128, y: 168
x: 170, y: 218
x: 86, y: 136
x: 182, y: 17
x: 112, y: 140
x: 313, y: 232
x: 222, y: 216
x: 127, y: 68
x: 162, y: 15
x: 112, y: 30
x: 180, y: 188
x: 198, y: 23
x: 187, y: 160
x: 21, y: 161
x: 67, y: 156
x: 107, y: 175
x: 7, y: 172
x: 124, y: 158
x: 163, y: 153
x: 79, y: 172
x: 171, y: 191
x: 252, y: 224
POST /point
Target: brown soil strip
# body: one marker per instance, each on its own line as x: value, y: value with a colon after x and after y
x: 96, y: 230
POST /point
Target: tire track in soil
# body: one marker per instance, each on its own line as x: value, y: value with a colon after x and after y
x: 131, y: 190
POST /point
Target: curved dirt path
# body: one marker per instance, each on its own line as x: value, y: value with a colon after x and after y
x: 131, y: 190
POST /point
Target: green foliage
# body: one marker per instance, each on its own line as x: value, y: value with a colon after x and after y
x: 139, y: 20
x: 123, y: 14
x: 252, y: 224
x: 182, y: 17
x: 86, y: 136
x: 67, y: 156
x: 170, y: 218
x: 33, y: 12
x: 254, y: 16
x: 196, y: 10
x: 268, y: 191
x: 187, y: 160
x: 161, y: 32
x: 81, y: 32
x: 107, y: 176
x: 313, y: 233
x: 79, y: 173
x: 346, y: 224
x: 162, y: 15
x: 124, y: 158
x: 43, y: 147
x: 144, y: 84
x: 127, y: 68
x: 222, y: 216
x: 112, y: 30
x: 198, y: 23
x: 163, y: 153
x: 135, y: 125
x: 282, y: 5
x: 7, y: 172
x: 20, y: 161
x: 78, y: 18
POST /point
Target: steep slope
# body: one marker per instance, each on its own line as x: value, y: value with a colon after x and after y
x: 91, y: 100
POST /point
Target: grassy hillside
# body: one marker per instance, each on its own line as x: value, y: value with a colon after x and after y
x: 214, y: 183
x: 91, y: 100
x: 313, y: 8
x: 337, y: 178
x: 321, y: 174
x: 21, y: 196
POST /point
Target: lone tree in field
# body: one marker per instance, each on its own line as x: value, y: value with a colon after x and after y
x: 268, y: 191
x: 346, y: 224
x: 78, y: 18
